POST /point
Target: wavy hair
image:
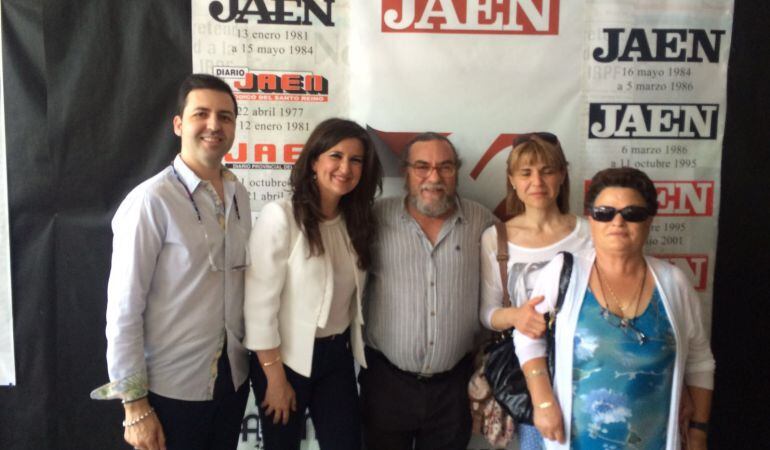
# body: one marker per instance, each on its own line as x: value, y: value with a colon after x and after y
x: 356, y: 206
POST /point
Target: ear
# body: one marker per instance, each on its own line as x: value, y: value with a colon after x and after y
x: 510, y: 180
x: 178, y: 125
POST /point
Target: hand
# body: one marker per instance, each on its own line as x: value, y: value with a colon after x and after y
x: 695, y: 440
x: 549, y: 421
x: 146, y: 434
x: 527, y: 320
x: 279, y: 399
x: 686, y: 410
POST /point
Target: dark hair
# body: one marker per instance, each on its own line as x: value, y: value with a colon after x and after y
x: 544, y: 147
x: 202, y: 81
x: 625, y: 177
x: 425, y: 137
x: 356, y: 206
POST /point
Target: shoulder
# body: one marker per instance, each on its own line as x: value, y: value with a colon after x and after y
x: 279, y: 211
x: 476, y: 214
x: 489, y: 238
x: 149, y: 194
x: 670, y: 276
x: 387, y: 208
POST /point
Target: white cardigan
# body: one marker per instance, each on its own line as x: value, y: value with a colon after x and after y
x: 288, y: 293
x: 694, y: 363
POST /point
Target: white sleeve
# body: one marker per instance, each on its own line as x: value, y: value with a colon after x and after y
x: 547, y: 285
x: 491, y: 285
x: 265, y: 277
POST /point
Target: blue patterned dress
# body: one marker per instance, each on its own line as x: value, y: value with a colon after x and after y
x: 621, y: 386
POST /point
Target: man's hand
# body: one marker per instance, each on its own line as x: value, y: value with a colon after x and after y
x: 527, y: 320
x: 280, y: 398
x: 146, y: 434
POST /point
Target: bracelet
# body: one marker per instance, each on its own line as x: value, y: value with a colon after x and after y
x: 702, y: 426
x: 133, y: 422
x: 544, y: 405
x: 534, y: 373
x: 270, y: 363
x: 125, y: 402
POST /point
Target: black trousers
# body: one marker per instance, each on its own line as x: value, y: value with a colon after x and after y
x: 330, y: 393
x: 402, y: 411
x: 204, y: 425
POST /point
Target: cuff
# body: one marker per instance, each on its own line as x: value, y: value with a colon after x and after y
x: 132, y: 387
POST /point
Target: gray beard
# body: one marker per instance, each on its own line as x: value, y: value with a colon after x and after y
x: 435, y: 209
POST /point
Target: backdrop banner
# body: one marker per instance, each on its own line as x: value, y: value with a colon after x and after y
x: 620, y: 84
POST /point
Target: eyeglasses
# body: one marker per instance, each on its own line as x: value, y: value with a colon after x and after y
x: 629, y: 213
x: 625, y: 325
x: 544, y: 135
x: 423, y: 170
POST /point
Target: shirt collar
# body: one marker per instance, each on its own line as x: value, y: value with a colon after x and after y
x: 191, y: 180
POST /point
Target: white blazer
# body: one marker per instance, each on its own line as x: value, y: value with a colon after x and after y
x: 288, y: 292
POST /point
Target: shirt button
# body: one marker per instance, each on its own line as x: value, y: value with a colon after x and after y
x: 430, y: 343
x: 431, y: 283
x: 433, y: 313
x: 457, y: 248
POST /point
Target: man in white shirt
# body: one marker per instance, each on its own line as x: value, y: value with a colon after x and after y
x: 175, y: 293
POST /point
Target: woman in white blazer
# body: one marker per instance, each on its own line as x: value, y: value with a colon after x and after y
x: 302, y: 306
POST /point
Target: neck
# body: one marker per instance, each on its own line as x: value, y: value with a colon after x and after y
x: 329, y: 208
x: 620, y: 263
x: 543, y: 219
x: 204, y: 172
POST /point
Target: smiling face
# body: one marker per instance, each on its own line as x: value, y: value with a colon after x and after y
x: 207, y: 128
x: 619, y: 235
x: 536, y: 183
x: 432, y: 194
x: 338, y: 170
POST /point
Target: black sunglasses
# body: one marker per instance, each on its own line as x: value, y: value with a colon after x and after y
x: 548, y: 137
x: 629, y: 213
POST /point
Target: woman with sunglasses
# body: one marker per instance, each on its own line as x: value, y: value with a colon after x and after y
x: 539, y: 227
x: 302, y: 306
x: 630, y: 336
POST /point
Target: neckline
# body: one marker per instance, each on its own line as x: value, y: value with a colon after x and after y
x: 574, y: 232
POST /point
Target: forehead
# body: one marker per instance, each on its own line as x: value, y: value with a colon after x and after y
x: 434, y: 151
x: 350, y: 146
x: 619, y: 197
x: 533, y: 157
x: 209, y: 99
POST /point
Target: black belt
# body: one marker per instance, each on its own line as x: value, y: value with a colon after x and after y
x: 424, y: 377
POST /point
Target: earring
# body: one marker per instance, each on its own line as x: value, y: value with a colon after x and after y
x: 315, y: 176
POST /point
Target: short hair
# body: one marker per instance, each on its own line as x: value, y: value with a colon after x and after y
x: 624, y: 177
x: 356, y: 206
x: 544, y: 147
x: 202, y: 81
x: 426, y: 137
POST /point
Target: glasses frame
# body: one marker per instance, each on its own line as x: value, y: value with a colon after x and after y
x: 544, y: 135
x: 631, y: 213
x: 444, y: 166
x: 625, y: 325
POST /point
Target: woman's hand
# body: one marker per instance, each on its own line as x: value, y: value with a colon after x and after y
x: 146, y: 434
x: 280, y: 399
x: 527, y: 320
x: 548, y: 421
x: 695, y: 440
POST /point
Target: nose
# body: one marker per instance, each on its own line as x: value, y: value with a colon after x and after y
x: 433, y: 175
x: 537, y: 178
x: 618, y: 219
x: 213, y: 122
x: 344, y: 166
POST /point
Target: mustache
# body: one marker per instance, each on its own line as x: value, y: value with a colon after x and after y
x: 433, y: 186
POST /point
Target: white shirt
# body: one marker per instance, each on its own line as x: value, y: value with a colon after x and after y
x: 167, y: 310
x: 334, y: 236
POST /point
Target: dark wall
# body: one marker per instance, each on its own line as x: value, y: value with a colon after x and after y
x: 87, y: 84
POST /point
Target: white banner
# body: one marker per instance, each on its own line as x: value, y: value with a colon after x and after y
x: 621, y: 83
x: 7, y: 364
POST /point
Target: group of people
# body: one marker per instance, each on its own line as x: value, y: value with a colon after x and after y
x: 201, y: 305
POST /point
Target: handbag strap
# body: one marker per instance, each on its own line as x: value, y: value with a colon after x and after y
x: 502, y: 260
x: 564, y: 276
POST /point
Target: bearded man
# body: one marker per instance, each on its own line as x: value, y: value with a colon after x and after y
x: 421, y: 308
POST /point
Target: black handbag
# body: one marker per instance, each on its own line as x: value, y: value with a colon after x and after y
x: 501, y: 366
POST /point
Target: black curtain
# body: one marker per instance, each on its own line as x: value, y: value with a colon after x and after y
x: 89, y: 86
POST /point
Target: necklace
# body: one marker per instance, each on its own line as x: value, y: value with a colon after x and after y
x: 625, y: 321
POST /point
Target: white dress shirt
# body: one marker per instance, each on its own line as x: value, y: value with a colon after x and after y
x: 169, y: 308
